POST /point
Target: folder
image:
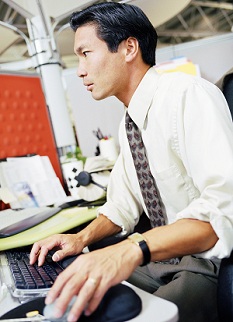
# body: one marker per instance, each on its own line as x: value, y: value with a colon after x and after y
x: 59, y: 223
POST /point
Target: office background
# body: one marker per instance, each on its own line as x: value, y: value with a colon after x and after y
x: 36, y: 39
x: 36, y: 48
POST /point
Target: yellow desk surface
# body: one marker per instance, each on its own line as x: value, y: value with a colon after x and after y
x: 62, y: 221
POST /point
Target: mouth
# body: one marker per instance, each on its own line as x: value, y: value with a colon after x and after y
x: 89, y: 86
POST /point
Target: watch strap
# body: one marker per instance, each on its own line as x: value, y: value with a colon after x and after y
x: 140, y: 240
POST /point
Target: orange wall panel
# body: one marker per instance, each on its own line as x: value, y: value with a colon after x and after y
x: 25, y: 126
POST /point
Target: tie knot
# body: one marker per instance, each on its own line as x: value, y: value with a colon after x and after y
x: 129, y: 123
x: 127, y: 118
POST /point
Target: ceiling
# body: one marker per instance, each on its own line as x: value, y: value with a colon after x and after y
x: 188, y: 20
x: 198, y: 20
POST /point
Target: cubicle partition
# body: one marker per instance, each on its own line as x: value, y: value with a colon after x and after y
x: 25, y: 126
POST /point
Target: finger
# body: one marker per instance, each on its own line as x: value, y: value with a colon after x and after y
x: 40, y: 250
x: 34, y: 253
x: 62, y: 281
x: 38, y: 253
x: 60, y: 254
x: 95, y: 300
x: 57, y: 256
x: 86, y: 293
x: 55, y: 242
x: 43, y: 253
x: 69, y: 289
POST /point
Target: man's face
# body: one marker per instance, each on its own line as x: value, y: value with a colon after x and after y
x: 102, y: 71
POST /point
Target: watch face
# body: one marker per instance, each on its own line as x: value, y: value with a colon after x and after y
x: 136, y: 237
x: 141, y: 242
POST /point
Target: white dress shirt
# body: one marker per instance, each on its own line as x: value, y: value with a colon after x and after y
x: 187, y: 131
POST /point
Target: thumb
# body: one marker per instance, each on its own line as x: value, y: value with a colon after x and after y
x: 59, y: 255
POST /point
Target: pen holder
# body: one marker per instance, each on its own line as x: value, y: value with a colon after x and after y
x: 108, y: 149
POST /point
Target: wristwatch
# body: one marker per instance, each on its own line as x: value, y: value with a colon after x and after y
x: 139, y: 240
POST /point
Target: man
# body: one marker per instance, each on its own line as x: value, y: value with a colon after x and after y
x: 187, y: 132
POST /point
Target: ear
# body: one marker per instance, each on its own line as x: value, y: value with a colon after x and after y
x: 132, y: 49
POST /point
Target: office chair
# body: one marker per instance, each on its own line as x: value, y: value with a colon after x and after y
x: 228, y: 90
x: 225, y: 290
x: 225, y: 280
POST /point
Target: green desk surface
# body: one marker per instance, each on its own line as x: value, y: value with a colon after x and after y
x: 61, y: 222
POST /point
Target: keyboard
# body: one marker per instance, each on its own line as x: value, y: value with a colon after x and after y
x: 31, y: 280
x: 14, y: 221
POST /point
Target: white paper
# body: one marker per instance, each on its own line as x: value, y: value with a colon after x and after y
x: 38, y: 173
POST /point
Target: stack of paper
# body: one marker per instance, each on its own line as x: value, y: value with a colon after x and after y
x: 178, y: 64
x: 29, y: 181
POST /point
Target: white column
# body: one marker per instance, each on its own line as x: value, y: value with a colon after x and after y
x: 47, y: 63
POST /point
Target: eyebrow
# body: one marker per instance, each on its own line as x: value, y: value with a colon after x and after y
x: 79, y: 50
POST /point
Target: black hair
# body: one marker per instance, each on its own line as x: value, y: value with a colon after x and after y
x: 116, y: 22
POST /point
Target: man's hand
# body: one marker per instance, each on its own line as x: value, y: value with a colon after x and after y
x: 66, y: 245
x: 91, y: 275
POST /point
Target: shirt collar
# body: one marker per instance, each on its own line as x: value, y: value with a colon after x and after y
x: 141, y: 100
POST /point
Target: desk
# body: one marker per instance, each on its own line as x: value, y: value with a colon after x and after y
x: 154, y: 308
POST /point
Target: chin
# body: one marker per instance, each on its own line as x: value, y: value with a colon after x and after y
x: 99, y: 97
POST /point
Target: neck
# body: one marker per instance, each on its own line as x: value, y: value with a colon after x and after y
x: 131, y: 83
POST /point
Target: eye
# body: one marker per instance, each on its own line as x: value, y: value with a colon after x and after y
x: 85, y: 53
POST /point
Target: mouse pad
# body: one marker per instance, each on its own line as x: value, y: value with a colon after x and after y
x: 119, y: 304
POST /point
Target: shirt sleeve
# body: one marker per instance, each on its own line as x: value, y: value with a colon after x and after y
x: 205, y: 135
x: 123, y: 206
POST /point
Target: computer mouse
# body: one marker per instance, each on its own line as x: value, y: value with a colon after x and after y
x: 120, y: 303
x: 49, y: 311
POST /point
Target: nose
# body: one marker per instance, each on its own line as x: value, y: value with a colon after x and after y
x: 81, y: 71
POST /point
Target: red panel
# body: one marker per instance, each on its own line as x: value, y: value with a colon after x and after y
x: 25, y: 126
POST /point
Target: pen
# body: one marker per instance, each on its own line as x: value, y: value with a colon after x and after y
x: 99, y: 134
